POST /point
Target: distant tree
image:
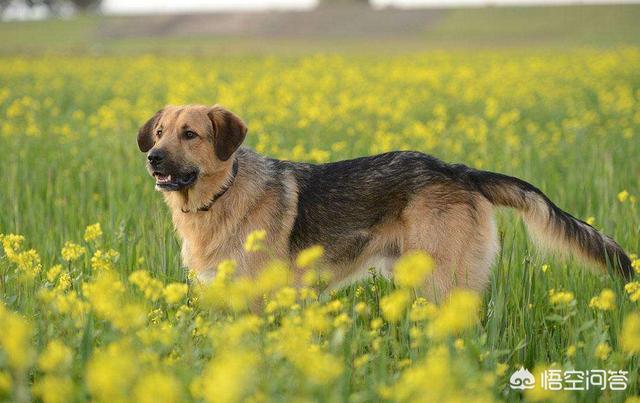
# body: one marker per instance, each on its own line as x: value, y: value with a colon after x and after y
x: 4, y: 4
x: 55, y: 7
x: 86, y: 5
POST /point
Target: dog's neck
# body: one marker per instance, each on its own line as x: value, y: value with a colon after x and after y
x: 205, y: 189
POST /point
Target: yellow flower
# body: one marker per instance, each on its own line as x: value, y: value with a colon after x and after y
x: 28, y: 262
x: 606, y: 301
x: 540, y: 394
x: 459, y: 344
x: 309, y: 256
x: 590, y: 220
x: 341, y: 320
x: 229, y: 378
x: 285, y: 297
x: 561, y: 298
x: 361, y: 308
x: 501, y: 368
x: 255, y: 241
x: 157, y: 387
x: 92, y: 232
x: 602, y: 351
x: 458, y: 313
x: 54, y: 389
x: 102, y: 260
x: 394, y: 305
x: 545, y: 267
x: 150, y: 287
x: 53, y: 272
x: 334, y: 306
x: 5, y: 383
x: 412, y: 269
x: 376, y: 324
x: 56, y: 357
x: 633, y: 289
x: 226, y: 269
x: 15, y: 340
x: 630, y: 334
x: 421, y: 309
x: 316, y: 319
x: 64, y: 281
x: 435, y: 378
x: 11, y: 244
x: 275, y: 275
x: 111, y: 373
x: 106, y: 295
x: 361, y: 361
x: 571, y: 351
x: 623, y: 196
x: 174, y: 293
x: 72, y: 251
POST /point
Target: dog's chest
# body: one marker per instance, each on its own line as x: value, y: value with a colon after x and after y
x: 204, y: 238
x: 206, y: 242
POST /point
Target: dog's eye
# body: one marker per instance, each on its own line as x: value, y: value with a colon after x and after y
x: 159, y: 132
x: 189, y: 135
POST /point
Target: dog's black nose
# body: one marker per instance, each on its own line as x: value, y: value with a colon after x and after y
x: 155, y: 156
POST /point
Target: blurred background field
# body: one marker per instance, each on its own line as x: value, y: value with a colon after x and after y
x: 346, y: 28
x: 548, y: 94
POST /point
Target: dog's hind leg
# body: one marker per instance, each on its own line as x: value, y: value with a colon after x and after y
x: 457, y: 228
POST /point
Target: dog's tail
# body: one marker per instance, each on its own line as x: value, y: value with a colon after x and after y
x: 550, y: 226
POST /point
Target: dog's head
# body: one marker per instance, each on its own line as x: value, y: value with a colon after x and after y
x: 187, y: 142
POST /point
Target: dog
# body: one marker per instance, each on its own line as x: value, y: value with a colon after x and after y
x: 365, y: 212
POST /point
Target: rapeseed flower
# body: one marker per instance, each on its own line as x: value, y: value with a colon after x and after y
x: 57, y: 357
x: 174, y: 293
x: 157, y: 387
x: 104, y: 260
x: 412, y: 269
x: 560, y: 298
x: 15, y: 340
x: 111, y: 373
x: 93, y: 232
x: 309, y: 256
x: 602, y: 351
x: 633, y: 289
x: 255, y: 241
x: 393, y: 306
x: 630, y: 334
x: 458, y: 313
x: 606, y: 301
x: 151, y: 288
x: 54, y: 389
x: 623, y: 196
x: 71, y: 251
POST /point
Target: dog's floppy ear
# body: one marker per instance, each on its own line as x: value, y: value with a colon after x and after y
x: 145, y: 134
x: 228, y: 131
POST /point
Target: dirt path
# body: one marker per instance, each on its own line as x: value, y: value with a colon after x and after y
x: 339, y: 22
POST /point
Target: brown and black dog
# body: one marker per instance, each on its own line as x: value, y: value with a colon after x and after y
x: 366, y: 212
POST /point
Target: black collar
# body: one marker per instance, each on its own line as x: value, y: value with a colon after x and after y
x: 222, y: 191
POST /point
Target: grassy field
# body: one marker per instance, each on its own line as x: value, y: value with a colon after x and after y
x: 104, y: 313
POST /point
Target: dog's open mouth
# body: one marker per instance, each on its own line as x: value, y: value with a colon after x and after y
x: 174, y: 182
x: 161, y: 179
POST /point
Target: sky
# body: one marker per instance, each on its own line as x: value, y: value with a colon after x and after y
x: 162, y: 6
